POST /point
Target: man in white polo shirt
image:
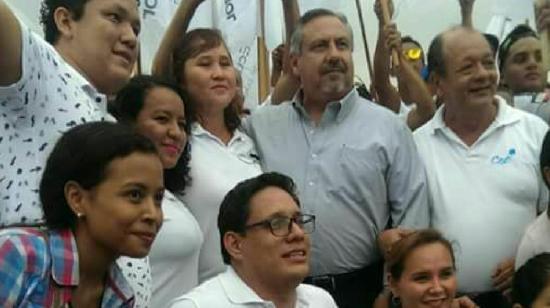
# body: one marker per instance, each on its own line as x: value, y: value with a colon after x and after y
x: 481, y: 157
x: 265, y: 240
x: 49, y: 85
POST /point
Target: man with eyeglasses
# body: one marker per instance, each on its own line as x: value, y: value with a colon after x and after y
x: 265, y: 242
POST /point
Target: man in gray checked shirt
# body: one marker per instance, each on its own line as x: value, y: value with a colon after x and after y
x: 355, y: 163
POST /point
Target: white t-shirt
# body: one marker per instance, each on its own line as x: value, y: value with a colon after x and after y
x: 171, y: 268
x: 484, y: 195
x: 227, y: 290
x: 50, y: 98
x: 536, y: 240
x: 174, y: 257
x: 215, y: 169
x: 534, y: 103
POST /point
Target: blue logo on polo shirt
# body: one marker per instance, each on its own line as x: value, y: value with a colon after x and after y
x: 503, y: 160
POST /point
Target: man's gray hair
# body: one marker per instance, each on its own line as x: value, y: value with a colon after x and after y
x: 298, y: 35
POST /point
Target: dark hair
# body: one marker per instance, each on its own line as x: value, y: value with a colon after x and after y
x: 235, y: 207
x: 192, y: 44
x: 436, y: 57
x: 126, y: 108
x: 518, y: 33
x: 47, y: 10
x: 409, y: 39
x: 297, y: 37
x: 544, y: 160
x: 404, y: 247
x: 82, y: 155
x: 531, y: 279
x: 493, y: 42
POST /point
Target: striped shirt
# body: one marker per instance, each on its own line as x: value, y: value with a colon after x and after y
x: 40, y: 268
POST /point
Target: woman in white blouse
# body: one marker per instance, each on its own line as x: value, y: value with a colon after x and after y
x: 155, y: 109
x: 222, y: 155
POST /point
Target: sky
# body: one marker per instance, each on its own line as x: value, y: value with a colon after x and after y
x: 421, y: 19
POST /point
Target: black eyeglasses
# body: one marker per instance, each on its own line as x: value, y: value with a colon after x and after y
x: 281, y: 226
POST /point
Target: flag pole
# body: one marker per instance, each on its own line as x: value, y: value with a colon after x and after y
x: 263, y: 66
x: 545, y: 40
x: 364, y: 35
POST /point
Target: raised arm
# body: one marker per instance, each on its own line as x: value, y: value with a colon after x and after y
x: 287, y: 84
x: 419, y: 94
x: 387, y: 94
x: 291, y: 13
x: 416, y: 92
x: 542, y: 13
x: 10, y: 46
x: 162, y: 63
x: 412, y: 88
x: 466, y: 10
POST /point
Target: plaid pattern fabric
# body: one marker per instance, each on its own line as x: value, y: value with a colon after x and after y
x: 38, y: 269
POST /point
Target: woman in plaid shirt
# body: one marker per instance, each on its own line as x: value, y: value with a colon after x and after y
x: 101, y: 192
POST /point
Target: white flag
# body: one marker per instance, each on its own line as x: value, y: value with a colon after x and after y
x: 155, y: 18
x: 238, y: 20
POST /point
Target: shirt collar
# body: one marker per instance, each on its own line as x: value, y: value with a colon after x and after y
x: 505, y: 116
x: 118, y: 285
x: 64, y: 257
x: 82, y: 83
x: 199, y: 131
x: 79, y: 79
x: 236, y: 290
x: 340, y: 108
x: 302, y: 299
x: 65, y: 271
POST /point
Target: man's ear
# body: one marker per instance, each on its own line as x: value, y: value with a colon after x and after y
x: 233, y: 243
x: 295, y: 64
x: 392, y: 283
x: 63, y: 19
x: 546, y: 173
x: 76, y: 198
x: 436, y: 80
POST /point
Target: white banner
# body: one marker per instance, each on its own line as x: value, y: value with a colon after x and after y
x: 237, y: 20
x: 155, y: 17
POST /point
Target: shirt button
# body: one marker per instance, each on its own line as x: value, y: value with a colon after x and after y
x: 314, y: 155
x: 311, y: 183
x: 311, y: 132
x: 98, y: 99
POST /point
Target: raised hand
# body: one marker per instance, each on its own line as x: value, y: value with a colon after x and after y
x: 378, y: 10
x: 389, y: 237
x: 393, y: 37
x: 503, y: 274
x: 466, y: 4
x: 463, y: 302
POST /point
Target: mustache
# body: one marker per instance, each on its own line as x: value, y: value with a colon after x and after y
x: 334, y: 66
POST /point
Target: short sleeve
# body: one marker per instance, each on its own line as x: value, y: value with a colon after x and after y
x: 31, y: 53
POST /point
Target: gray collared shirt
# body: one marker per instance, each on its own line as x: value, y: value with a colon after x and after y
x: 354, y: 170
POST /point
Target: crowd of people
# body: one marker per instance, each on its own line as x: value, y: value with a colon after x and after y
x: 161, y: 190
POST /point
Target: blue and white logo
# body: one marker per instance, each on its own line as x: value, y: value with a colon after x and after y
x: 503, y: 160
